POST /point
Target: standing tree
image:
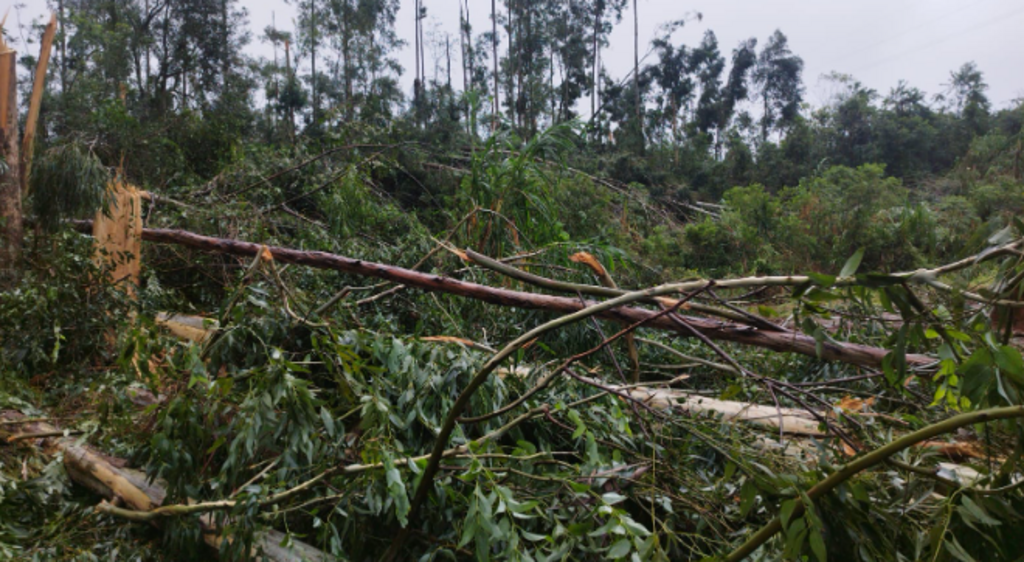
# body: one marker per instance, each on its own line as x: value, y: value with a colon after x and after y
x: 779, y: 76
x: 967, y: 89
x: 10, y: 166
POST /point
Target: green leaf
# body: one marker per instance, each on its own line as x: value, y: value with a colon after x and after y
x: 612, y: 498
x: 748, y: 495
x: 818, y: 546
x: 852, y: 264
x: 396, y: 490
x: 620, y: 549
x: 979, y: 513
x: 786, y: 512
x: 958, y: 551
x: 1010, y: 363
x: 1004, y: 236
x: 821, y: 279
x: 328, y: 421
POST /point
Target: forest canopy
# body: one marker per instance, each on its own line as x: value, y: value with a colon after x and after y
x: 540, y: 312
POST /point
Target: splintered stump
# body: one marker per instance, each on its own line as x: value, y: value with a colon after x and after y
x: 10, y: 178
x: 118, y: 234
x: 109, y: 478
x: 36, y: 101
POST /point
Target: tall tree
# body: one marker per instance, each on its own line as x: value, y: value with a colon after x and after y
x: 779, y: 76
x: 636, y: 77
x: 967, y: 88
x: 494, y: 51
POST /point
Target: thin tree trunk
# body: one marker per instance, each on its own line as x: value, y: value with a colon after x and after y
x: 423, y: 52
x: 636, y: 76
x: 346, y: 45
x: 416, y: 39
x: 277, y: 88
x: 597, y: 54
x: 226, y: 55
x: 63, y: 48
x: 312, y: 46
x: 11, y: 232
x: 513, y: 64
x: 494, y: 41
x: 288, y: 77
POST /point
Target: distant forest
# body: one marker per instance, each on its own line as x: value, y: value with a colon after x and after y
x: 167, y: 87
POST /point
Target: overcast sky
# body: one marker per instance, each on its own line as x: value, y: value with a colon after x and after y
x: 877, y: 41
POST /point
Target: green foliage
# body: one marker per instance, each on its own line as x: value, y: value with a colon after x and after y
x: 55, y: 320
x: 68, y: 182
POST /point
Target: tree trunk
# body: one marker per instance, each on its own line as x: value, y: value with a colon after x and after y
x: 494, y: 41
x: 854, y: 354
x: 63, y: 48
x: 11, y: 232
x: 225, y: 59
x: 636, y: 77
x: 312, y: 47
x: 597, y: 53
x: 38, y: 87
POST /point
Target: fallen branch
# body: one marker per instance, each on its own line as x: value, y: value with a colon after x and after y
x: 854, y: 354
x: 867, y: 461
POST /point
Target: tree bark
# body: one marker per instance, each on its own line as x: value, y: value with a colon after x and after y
x: 494, y: 45
x: 11, y: 230
x: 636, y: 77
x: 855, y: 354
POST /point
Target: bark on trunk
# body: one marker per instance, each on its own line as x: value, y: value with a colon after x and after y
x: 11, y: 230
x: 854, y: 354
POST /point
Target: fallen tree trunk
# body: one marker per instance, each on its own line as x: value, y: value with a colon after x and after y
x: 854, y: 354
x: 93, y: 470
x: 787, y: 420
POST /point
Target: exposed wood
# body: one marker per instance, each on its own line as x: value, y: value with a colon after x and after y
x: 93, y: 470
x: 11, y: 228
x: 38, y: 87
x: 855, y: 354
x: 192, y: 328
x: 789, y: 420
x: 118, y: 233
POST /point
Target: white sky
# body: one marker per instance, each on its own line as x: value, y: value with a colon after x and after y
x: 877, y: 41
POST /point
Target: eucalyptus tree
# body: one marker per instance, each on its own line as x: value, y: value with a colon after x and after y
x: 744, y: 58
x: 606, y: 13
x: 671, y: 74
x: 850, y: 123
x: 778, y: 75
x: 707, y: 64
x: 908, y: 135
x: 967, y: 92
